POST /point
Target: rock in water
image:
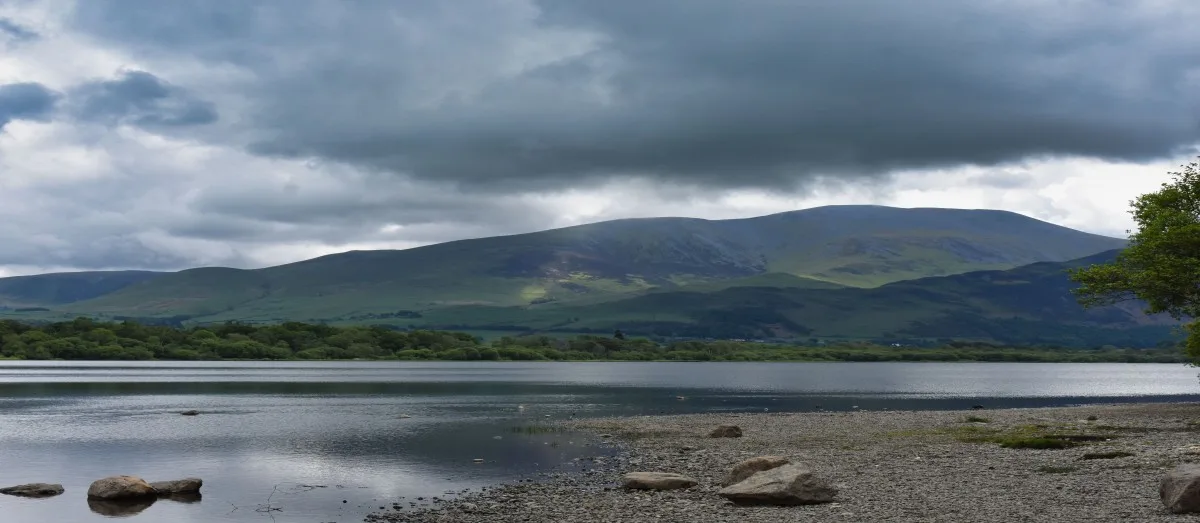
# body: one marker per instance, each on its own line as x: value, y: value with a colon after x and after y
x: 748, y: 468
x: 179, y: 486
x: 34, y: 490
x: 120, y: 487
x: 120, y: 508
x: 1180, y: 489
x: 726, y: 431
x: 657, y: 481
x: 791, y: 484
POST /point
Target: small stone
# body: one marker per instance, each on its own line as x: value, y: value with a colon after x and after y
x: 657, y: 481
x: 726, y: 431
x: 34, y: 490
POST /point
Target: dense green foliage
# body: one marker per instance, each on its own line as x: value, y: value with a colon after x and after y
x: 85, y: 339
x: 1161, y: 265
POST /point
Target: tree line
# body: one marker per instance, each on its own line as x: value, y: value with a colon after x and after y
x: 88, y: 339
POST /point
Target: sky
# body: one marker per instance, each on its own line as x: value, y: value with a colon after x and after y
x: 165, y: 135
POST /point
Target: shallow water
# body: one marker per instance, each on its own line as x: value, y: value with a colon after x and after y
x: 303, y: 437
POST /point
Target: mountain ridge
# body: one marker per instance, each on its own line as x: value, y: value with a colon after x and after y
x: 833, y: 246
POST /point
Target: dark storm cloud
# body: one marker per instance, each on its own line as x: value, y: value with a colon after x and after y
x: 719, y: 93
x: 141, y: 99
x: 25, y: 101
x: 16, y: 31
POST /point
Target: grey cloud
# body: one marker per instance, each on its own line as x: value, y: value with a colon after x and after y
x: 697, y: 91
x: 141, y: 99
x: 26, y: 101
x: 1003, y: 179
x: 354, y: 212
x: 16, y: 32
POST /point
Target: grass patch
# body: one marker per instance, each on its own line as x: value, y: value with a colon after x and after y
x: 1025, y: 437
x: 646, y: 434
x: 1117, y: 428
x: 976, y: 419
x: 536, y: 429
x: 1037, y: 442
x: 1107, y: 455
x: 1051, y: 469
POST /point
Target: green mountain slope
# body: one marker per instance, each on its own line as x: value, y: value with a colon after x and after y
x: 592, y: 264
x: 45, y: 290
x: 1028, y: 304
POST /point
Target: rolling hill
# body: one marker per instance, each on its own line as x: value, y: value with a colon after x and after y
x: 589, y: 265
x: 1028, y: 304
x: 48, y: 290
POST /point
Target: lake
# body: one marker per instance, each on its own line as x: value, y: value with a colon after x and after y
x: 333, y: 441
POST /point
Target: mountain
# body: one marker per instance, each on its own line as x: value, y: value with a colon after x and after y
x: 1028, y: 304
x: 47, y: 290
x: 829, y: 247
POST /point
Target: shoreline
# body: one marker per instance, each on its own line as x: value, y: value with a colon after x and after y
x: 887, y: 465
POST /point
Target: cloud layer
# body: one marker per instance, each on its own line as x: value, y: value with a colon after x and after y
x: 137, y: 133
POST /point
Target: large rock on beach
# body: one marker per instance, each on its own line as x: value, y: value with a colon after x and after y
x: 749, y: 467
x: 121, y: 487
x: 657, y: 481
x: 34, y: 490
x: 1180, y: 489
x: 726, y: 431
x: 791, y: 484
x: 179, y: 486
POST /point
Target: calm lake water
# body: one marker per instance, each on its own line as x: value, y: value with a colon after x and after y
x: 310, y: 435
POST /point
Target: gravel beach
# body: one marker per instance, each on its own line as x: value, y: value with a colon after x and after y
x: 887, y: 465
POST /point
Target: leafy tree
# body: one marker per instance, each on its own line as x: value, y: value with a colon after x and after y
x: 1161, y: 265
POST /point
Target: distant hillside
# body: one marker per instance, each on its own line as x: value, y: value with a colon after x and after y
x: 47, y: 290
x: 1028, y: 304
x: 592, y: 264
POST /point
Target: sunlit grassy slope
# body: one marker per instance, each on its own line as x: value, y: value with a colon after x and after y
x: 1032, y: 303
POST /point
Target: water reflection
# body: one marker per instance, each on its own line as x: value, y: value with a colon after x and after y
x: 121, y: 508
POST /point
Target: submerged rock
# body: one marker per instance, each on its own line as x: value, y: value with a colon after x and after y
x: 34, y: 490
x: 726, y: 431
x: 179, y: 486
x: 657, y: 481
x: 749, y: 467
x: 121, y: 487
x: 1180, y: 489
x: 791, y: 484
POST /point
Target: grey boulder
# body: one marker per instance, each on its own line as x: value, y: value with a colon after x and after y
x: 749, y: 467
x: 120, y: 487
x: 791, y: 484
x: 179, y: 486
x: 657, y: 481
x: 1180, y: 489
x: 34, y: 490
